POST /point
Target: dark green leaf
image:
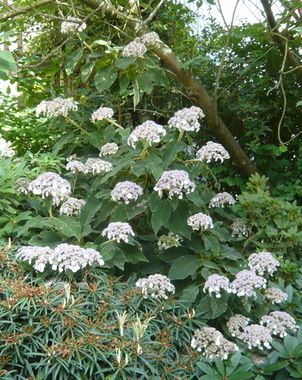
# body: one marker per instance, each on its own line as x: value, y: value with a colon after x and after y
x: 184, y: 267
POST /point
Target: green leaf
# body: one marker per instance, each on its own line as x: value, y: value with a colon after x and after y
x: 171, y: 151
x: 133, y: 254
x: 206, y: 368
x: 145, y: 82
x: 211, y: 244
x: 7, y: 62
x: 89, y: 210
x: 299, y: 103
x: 177, y: 222
x: 283, y: 148
x: 124, y: 63
x: 184, y: 267
x: 87, y: 70
x: 153, y: 200
x: 105, y: 78
x: 189, y: 295
x: 218, y: 305
x: 220, y: 366
x: 68, y: 226
x: 74, y: 58
x: 124, y: 82
x: 161, y: 215
x: 113, y: 255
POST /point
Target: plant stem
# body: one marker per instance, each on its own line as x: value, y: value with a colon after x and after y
x: 115, y: 123
x: 181, y: 133
x: 76, y: 125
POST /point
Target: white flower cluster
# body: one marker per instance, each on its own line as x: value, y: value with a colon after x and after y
x: 118, y: 231
x: 102, y: 113
x: 97, y: 166
x: 134, y: 49
x: 237, y: 324
x: 239, y: 228
x: 149, y: 133
x: 75, y: 166
x: 200, y: 222
x: 246, y: 282
x: 169, y: 241
x: 212, y: 152
x: 72, y: 24
x: 6, y: 149
x: 108, y: 149
x: 50, y: 185
x: 22, y: 185
x: 72, y: 206
x: 212, y: 344
x: 279, y: 322
x: 222, y: 199
x: 56, y: 107
x: 174, y: 182
x: 155, y: 286
x: 64, y: 257
x: 186, y: 119
x: 263, y: 262
x: 149, y: 39
x: 126, y: 191
x: 275, y: 295
x: 35, y: 255
x: 256, y: 336
x: 215, y: 284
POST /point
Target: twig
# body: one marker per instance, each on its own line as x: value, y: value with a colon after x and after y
x: 26, y: 9
x: 152, y: 14
x: 225, y: 49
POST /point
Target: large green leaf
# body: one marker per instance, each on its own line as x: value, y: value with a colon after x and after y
x: 184, y: 267
x: 105, y: 78
x: 87, y: 70
x: 7, y: 62
x: 88, y: 211
x: 73, y: 59
x: 161, y: 215
x: 68, y: 226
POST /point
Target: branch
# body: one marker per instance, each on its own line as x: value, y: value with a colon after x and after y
x: 194, y: 87
x: 26, y: 9
x: 197, y: 93
x: 280, y: 40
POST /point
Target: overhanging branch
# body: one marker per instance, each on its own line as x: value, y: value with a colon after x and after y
x: 20, y: 11
x: 280, y: 40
